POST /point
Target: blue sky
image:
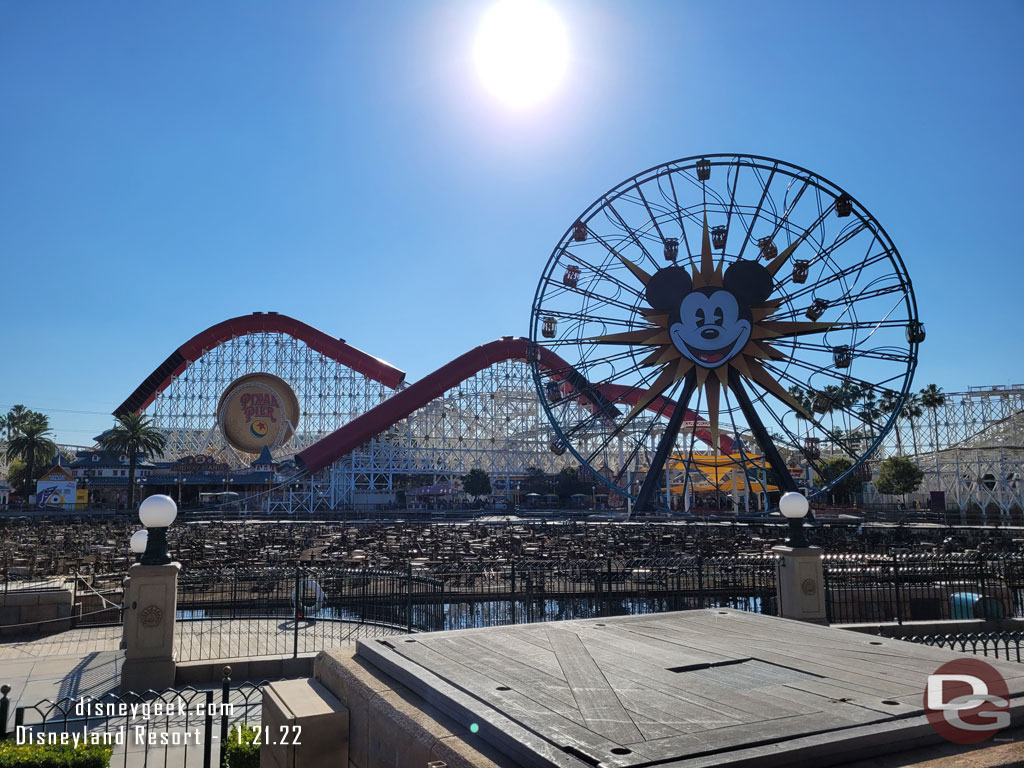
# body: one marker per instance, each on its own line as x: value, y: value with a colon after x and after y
x: 168, y: 165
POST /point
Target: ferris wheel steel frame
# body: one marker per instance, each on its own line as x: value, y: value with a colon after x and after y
x: 631, y: 238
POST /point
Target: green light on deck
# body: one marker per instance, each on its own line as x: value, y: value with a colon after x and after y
x: 473, y: 727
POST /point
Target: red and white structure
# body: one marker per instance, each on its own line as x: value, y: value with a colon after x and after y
x: 363, y: 426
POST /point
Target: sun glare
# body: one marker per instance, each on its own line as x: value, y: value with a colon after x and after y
x: 521, y: 51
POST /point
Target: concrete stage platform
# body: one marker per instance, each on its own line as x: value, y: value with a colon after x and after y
x: 694, y: 688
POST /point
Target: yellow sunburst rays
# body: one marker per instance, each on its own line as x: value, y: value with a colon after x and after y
x: 674, y: 367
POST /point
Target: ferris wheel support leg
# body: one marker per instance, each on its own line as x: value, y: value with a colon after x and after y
x: 764, y: 440
x: 646, y: 495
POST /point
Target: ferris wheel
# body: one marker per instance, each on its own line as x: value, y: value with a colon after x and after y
x: 723, y: 325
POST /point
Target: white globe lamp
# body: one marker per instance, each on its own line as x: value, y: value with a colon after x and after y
x: 138, y: 543
x: 157, y: 513
x: 794, y: 507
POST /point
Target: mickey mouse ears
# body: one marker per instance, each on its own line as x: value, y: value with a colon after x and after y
x: 667, y: 287
x: 748, y: 281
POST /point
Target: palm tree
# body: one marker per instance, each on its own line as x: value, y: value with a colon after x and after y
x: 39, y: 419
x: 30, y: 443
x: 933, y: 398
x: 911, y: 411
x: 850, y: 393
x: 835, y: 397
x: 887, y: 405
x: 134, y: 435
x: 869, y: 410
x: 15, y: 419
x: 806, y: 402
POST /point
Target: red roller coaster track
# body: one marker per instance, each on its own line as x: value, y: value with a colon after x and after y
x: 378, y: 419
x: 345, y: 439
x: 257, y: 322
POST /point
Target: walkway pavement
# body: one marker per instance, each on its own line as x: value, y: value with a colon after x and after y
x: 80, y: 662
x: 87, y: 661
x: 37, y: 681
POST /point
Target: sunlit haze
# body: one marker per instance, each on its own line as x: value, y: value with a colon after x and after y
x: 521, y: 51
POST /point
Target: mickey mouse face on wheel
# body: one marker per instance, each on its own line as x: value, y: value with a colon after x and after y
x: 712, y: 324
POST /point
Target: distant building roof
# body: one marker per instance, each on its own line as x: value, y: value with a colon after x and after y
x: 56, y: 471
x: 84, y: 459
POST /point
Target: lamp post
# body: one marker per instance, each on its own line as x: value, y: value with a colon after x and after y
x: 157, y: 513
x: 799, y: 573
x: 150, y: 607
x: 138, y: 543
x: 794, y: 507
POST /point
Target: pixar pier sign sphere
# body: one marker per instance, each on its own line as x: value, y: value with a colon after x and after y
x: 258, y: 410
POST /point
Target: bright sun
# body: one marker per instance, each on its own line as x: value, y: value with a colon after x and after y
x: 521, y: 51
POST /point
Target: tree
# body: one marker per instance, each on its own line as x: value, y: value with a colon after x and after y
x: 20, y: 417
x: 569, y: 483
x: 933, y: 398
x: 834, y: 399
x: 134, y: 435
x: 16, y: 476
x: 887, y: 405
x: 32, y: 444
x: 869, y: 411
x: 477, y: 483
x: 911, y: 411
x: 848, y: 487
x: 806, y: 403
x: 850, y: 393
x: 14, y: 419
x: 535, y: 481
x: 898, y: 476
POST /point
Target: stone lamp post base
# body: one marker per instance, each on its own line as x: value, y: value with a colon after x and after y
x: 800, y: 581
x: 151, y: 602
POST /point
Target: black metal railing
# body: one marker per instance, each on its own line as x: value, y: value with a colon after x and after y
x: 995, y: 645
x: 299, y: 610
x: 525, y: 592
x: 898, y: 587
x: 168, y: 728
x: 13, y: 582
x: 275, y: 611
x: 236, y: 612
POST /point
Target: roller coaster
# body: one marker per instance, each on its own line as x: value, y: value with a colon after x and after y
x: 365, y: 430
